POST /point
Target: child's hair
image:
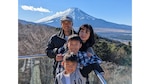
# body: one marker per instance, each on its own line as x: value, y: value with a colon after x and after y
x: 74, y: 37
x: 69, y: 56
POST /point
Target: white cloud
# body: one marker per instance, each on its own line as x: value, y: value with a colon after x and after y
x: 31, y: 8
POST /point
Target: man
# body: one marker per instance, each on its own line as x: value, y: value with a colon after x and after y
x: 58, y: 40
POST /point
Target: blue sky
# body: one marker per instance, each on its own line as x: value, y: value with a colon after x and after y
x: 117, y: 11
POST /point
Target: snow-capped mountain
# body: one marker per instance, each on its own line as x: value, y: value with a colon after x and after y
x: 79, y: 18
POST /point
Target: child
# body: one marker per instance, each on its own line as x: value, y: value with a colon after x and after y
x: 71, y: 74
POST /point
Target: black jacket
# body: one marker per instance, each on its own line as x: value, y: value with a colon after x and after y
x: 55, y: 42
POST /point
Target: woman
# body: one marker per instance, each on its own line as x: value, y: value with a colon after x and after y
x: 86, y: 34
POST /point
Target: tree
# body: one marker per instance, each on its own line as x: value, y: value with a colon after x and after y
x: 103, y: 51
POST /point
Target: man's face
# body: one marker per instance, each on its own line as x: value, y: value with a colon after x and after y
x: 66, y: 25
x: 74, y: 46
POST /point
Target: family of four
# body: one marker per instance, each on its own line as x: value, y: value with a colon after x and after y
x: 72, y: 52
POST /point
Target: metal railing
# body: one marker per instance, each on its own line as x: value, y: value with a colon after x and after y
x: 37, y: 69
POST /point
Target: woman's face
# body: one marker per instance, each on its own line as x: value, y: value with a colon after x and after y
x: 84, y: 34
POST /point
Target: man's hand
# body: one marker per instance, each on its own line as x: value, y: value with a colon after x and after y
x: 59, y: 57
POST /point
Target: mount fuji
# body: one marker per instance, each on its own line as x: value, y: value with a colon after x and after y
x: 79, y: 18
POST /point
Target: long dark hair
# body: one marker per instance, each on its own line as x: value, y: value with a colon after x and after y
x: 90, y: 42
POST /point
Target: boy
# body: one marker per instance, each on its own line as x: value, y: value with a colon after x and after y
x: 71, y: 74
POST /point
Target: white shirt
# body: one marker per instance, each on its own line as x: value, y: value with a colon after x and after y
x: 67, y: 77
x: 66, y: 37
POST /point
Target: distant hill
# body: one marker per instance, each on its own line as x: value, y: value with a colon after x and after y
x: 25, y: 22
x: 122, y: 35
x: 79, y: 18
x: 33, y: 38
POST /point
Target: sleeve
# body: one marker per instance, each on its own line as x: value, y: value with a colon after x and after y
x: 83, y: 59
x: 51, y: 51
x: 62, y: 49
x: 90, y: 49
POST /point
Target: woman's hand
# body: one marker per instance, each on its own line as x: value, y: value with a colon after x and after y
x: 89, y: 54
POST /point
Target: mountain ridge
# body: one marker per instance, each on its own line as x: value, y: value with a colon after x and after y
x: 79, y: 18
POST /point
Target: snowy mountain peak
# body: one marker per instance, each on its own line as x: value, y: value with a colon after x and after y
x: 79, y: 18
x: 56, y: 15
x: 74, y: 12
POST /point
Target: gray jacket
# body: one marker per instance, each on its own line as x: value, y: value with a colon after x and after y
x: 75, y: 77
